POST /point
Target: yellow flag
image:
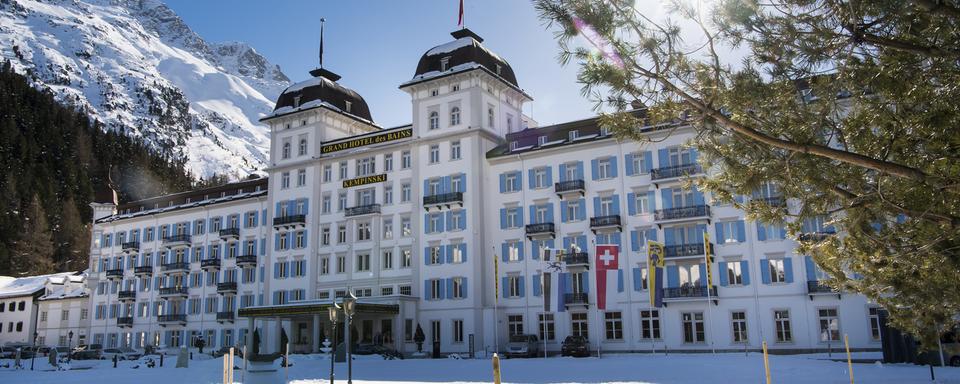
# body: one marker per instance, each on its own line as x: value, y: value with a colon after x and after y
x: 496, y: 279
x: 707, y: 250
x: 655, y: 260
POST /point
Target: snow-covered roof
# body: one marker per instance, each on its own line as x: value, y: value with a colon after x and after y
x: 24, y: 286
x: 192, y: 204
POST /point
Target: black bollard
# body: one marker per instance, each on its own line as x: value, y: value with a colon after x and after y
x: 161, y: 360
x: 191, y: 355
x: 932, y: 378
x: 114, y: 361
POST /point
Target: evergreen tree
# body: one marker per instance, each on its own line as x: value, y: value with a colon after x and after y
x: 848, y: 107
x: 33, y: 251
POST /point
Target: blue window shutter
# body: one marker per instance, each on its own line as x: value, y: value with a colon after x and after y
x: 463, y: 220
x: 582, y: 243
x: 549, y: 212
x: 637, y: 279
x: 549, y: 171
x: 582, y: 211
x: 518, y: 181
x: 652, y: 200
x: 619, y: 280
x: 783, y: 231
x: 616, y: 204
x: 463, y: 287
x: 666, y: 195
x: 761, y: 232
x: 305, y: 237
x: 503, y: 182
x: 504, y: 287
x: 594, y: 169
x: 663, y: 157
x: 445, y: 184
x: 505, y: 252
x: 276, y: 270
x: 306, y: 207
x: 563, y: 173
x: 703, y: 275
x: 694, y: 155
x: 449, y: 252
x: 519, y: 217
x: 535, y: 249
x: 533, y: 214
x: 613, y: 166
x: 520, y: 250
x: 563, y: 211
x: 427, y: 295
x: 673, y: 276
x: 647, y: 161
x: 586, y: 282
x: 536, y: 285
x: 631, y: 203
x: 530, y: 179
x: 697, y: 196
x: 289, y: 240
x: 263, y: 217
x: 580, y: 171
x: 426, y: 223
x: 634, y: 241
x: 651, y: 235
x: 741, y: 231
x: 811, y: 268
x: 596, y: 206
x: 426, y: 187
x: 566, y: 283
x: 276, y: 241
x: 450, y: 288
x: 668, y: 236
x: 503, y: 218
x: 522, y: 286
x: 463, y: 251
x: 567, y: 241
x: 722, y: 270
x: 788, y: 269
x: 450, y: 220
x: 719, y: 235
x: 765, y: 271
x: 463, y: 182
x: 426, y: 255
x: 628, y: 164
x: 440, y: 217
x: 745, y: 272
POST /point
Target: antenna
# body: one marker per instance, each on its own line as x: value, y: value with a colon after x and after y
x: 322, y: 21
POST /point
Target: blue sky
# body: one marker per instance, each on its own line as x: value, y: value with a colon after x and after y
x: 375, y: 45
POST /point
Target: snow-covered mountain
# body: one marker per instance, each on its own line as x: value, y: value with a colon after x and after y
x: 138, y: 68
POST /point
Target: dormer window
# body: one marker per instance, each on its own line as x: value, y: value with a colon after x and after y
x: 455, y: 87
x: 604, y: 131
x: 434, y: 92
x: 347, y: 106
x: 444, y: 63
x: 498, y: 69
x: 296, y: 101
x: 303, y: 122
x: 542, y: 140
x: 513, y: 146
x: 573, y: 135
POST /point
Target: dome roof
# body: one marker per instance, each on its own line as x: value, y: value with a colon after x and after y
x: 462, y: 54
x: 321, y: 89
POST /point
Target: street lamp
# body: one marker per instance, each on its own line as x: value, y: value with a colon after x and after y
x: 334, y: 314
x: 34, y: 355
x: 349, y: 308
x: 70, y: 346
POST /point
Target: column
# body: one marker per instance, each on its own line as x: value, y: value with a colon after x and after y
x: 250, y: 329
x: 276, y: 334
x: 316, y: 333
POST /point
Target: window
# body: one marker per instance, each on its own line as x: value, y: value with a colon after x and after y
x: 406, y: 290
x: 388, y: 162
x: 343, y: 170
x: 405, y: 160
x: 302, y: 149
x: 511, y: 182
x: 650, y: 324
x: 781, y: 321
x: 728, y: 231
x: 490, y: 117
x: 285, y: 180
x: 434, y: 120
x: 435, y: 257
x: 541, y: 140
x: 405, y: 193
x: 324, y: 265
x: 457, y: 286
x: 540, y: 178
x: 573, y: 135
x: 444, y: 63
x: 325, y: 236
x: 299, y: 239
x: 301, y: 177
x: 515, y: 286
x: 829, y: 324
x: 363, y: 262
x: 771, y: 231
x: 65, y: 315
x: 607, y: 206
x: 387, y: 260
x: 738, y: 320
x: 546, y: 325
x: 325, y: 203
x: 43, y: 316
x: 613, y: 324
x: 604, y: 168
x: 515, y: 325
x: 327, y: 173
x: 405, y: 227
x: 406, y: 258
x: 367, y: 166
x: 578, y: 324
x: 455, y: 116
x: 642, y: 202
x: 341, y: 264
x: 513, y: 251
x: 874, y: 318
x: 285, y: 152
x: 639, y: 163
x: 433, y: 223
x: 342, y: 201
x: 693, y: 330
x: 573, y: 210
x: 342, y: 234
x: 455, y: 87
x: 734, y: 273
x: 434, y: 92
x: 777, y: 271
x: 387, y: 229
x: 455, y: 150
x: 363, y: 231
x: 458, y: 331
x: 436, y: 285
x: 434, y: 154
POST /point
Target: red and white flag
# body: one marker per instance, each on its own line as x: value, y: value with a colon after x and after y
x: 460, y: 18
x: 608, y: 261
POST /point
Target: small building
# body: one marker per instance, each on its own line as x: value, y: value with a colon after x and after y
x: 64, y: 310
x: 19, y: 302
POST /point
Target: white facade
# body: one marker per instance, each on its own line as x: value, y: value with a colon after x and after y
x: 64, y: 311
x: 20, y: 299
x: 412, y: 218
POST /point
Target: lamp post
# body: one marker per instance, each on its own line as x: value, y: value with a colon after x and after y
x: 70, y: 346
x: 349, y: 308
x: 334, y: 314
x: 34, y: 355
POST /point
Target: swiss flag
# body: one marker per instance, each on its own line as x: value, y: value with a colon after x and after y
x: 608, y: 260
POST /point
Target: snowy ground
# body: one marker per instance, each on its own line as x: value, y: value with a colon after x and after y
x: 675, y: 368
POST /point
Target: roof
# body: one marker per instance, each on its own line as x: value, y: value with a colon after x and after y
x: 464, y: 53
x: 26, y: 286
x: 201, y: 197
x: 322, y: 89
x: 66, y: 287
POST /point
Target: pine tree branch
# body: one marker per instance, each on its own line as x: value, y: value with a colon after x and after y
x: 939, y: 7
x: 859, y: 35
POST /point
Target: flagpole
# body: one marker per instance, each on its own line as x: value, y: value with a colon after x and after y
x: 707, y: 265
x: 496, y: 301
x: 543, y: 294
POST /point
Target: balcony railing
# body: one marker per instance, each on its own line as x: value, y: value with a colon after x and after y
x: 362, y: 210
x: 177, y: 239
x: 127, y: 295
x: 689, y: 292
x: 443, y: 198
x: 605, y: 221
x: 173, y: 291
x: 210, y: 264
x: 125, y: 321
x: 166, y: 319
x: 247, y: 260
x: 817, y: 286
x: 290, y: 220
x: 576, y: 299
x: 540, y: 229
x: 225, y: 316
x: 775, y: 201
x: 227, y: 287
x: 130, y: 246
x: 577, y: 259
x: 569, y: 186
x: 176, y: 267
x: 684, y: 250
x: 693, y: 211
x: 230, y: 233
x: 816, y: 236
x: 675, y: 171
x: 114, y: 274
x: 143, y: 270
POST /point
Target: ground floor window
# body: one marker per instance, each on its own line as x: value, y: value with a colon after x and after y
x: 98, y: 338
x: 613, y: 324
x: 578, y: 324
x: 546, y: 325
x: 515, y: 325
x: 693, y: 330
x: 874, y: 317
x: 781, y: 321
x: 408, y: 330
x: 829, y: 324
x: 174, y: 339
x: 739, y: 322
x: 458, y: 331
x: 435, y: 328
x: 650, y: 324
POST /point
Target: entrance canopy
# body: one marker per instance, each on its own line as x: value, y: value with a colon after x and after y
x: 306, y: 308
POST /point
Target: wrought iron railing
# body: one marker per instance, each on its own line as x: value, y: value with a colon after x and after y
x: 605, y: 221
x: 443, y: 198
x: 539, y: 228
x: 290, y: 219
x: 569, y: 186
x: 682, y: 212
x: 675, y: 171
x: 692, y: 291
x: 362, y: 210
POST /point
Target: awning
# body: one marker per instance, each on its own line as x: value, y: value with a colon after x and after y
x: 313, y: 308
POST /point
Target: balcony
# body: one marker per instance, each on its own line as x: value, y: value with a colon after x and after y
x: 125, y: 322
x: 143, y: 271
x: 247, y: 261
x: 174, y: 268
x: 211, y: 264
x: 229, y: 234
x: 685, y: 250
x: 127, y: 296
x: 693, y: 212
x: 361, y: 210
x: 576, y: 300
x: 605, y: 222
x: 578, y: 260
x: 227, y: 287
x: 690, y: 293
x: 675, y: 171
x: 130, y: 247
x: 540, y: 230
x: 289, y: 220
x: 225, y: 317
x: 114, y: 274
x: 443, y: 200
x: 173, y: 292
x: 570, y: 187
x: 775, y: 201
x: 818, y: 287
x: 177, y: 241
x: 166, y: 320
x: 816, y: 236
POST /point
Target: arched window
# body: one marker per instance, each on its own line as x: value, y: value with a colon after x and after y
x: 455, y: 116
x: 286, y: 150
x: 434, y: 120
x: 490, y: 117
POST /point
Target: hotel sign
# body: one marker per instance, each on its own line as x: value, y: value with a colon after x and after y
x: 365, y: 180
x: 369, y: 140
